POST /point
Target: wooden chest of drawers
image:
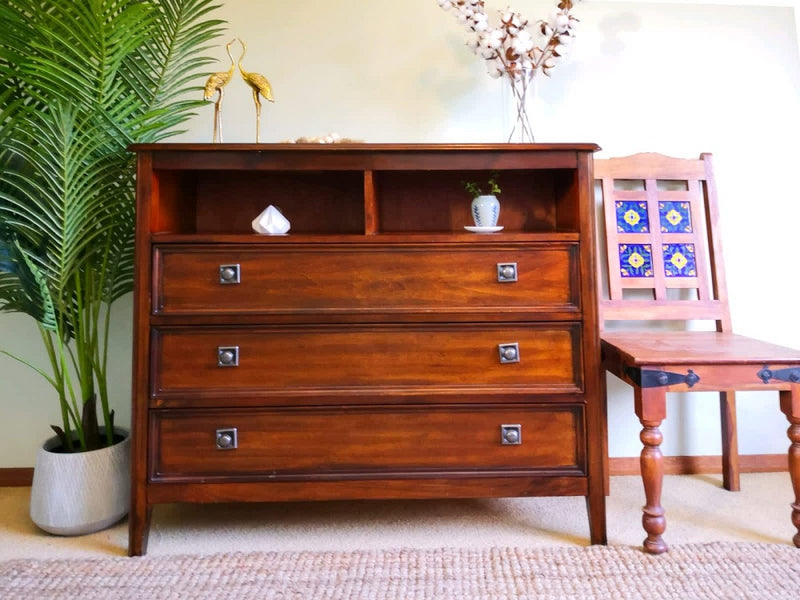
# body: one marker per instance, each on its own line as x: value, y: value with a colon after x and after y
x: 377, y: 351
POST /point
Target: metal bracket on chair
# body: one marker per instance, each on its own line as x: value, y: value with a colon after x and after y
x: 648, y: 378
x: 790, y: 375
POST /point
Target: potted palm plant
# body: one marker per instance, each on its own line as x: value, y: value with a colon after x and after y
x: 80, y: 82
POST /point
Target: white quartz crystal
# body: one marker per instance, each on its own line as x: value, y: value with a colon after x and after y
x: 271, y: 221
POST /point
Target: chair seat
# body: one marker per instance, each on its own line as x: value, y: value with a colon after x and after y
x: 642, y: 348
x: 721, y: 360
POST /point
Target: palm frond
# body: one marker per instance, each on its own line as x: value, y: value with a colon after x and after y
x: 80, y: 81
x: 168, y: 64
x: 22, y: 286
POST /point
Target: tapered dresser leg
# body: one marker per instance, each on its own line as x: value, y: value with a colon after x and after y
x: 138, y: 530
x: 651, y: 410
x: 596, y: 509
x: 790, y: 405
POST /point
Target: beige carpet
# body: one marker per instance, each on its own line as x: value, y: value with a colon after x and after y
x: 722, y: 545
x: 698, y: 511
x: 715, y: 570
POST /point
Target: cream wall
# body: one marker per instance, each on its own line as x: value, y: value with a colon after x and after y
x: 678, y: 78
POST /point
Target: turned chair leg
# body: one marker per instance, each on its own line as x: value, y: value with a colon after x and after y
x: 790, y: 405
x: 652, y: 465
x: 651, y: 408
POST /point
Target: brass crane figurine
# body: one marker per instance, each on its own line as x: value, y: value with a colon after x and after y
x: 216, y: 82
x: 260, y: 86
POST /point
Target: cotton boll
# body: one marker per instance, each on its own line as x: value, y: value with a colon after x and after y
x: 510, y: 49
x: 573, y: 23
x: 522, y: 43
x: 559, y: 22
x: 495, y: 68
x: 495, y: 39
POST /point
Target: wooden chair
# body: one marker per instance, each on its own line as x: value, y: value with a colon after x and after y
x: 664, y: 263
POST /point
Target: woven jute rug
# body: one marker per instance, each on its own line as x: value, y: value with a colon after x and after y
x: 718, y: 570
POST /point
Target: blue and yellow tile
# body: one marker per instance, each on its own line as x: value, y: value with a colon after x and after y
x: 632, y: 217
x: 679, y: 260
x: 675, y: 217
x: 635, y: 260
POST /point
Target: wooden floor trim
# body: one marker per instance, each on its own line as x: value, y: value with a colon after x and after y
x: 694, y: 465
x: 673, y: 465
x: 16, y: 477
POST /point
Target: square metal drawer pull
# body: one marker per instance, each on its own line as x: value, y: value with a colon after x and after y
x: 509, y: 353
x: 228, y: 356
x: 229, y: 274
x: 227, y: 439
x: 511, y: 435
x: 506, y: 272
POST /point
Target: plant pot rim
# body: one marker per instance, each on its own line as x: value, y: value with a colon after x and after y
x: 55, y: 441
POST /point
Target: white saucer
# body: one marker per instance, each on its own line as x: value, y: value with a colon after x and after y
x: 476, y: 229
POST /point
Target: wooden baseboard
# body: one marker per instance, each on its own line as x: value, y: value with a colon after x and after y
x: 16, y: 477
x: 673, y: 465
x: 694, y: 465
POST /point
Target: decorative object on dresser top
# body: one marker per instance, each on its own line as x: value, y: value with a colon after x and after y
x: 400, y: 357
x: 662, y: 241
x: 328, y: 138
x: 510, y: 51
x: 259, y: 85
x: 66, y: 214
x: 215, y: 84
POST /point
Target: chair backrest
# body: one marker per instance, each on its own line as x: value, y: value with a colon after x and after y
x: 661, y: 237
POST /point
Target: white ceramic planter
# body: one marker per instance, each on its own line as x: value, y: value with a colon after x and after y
x: 485, y: 210
x: 80, y: 493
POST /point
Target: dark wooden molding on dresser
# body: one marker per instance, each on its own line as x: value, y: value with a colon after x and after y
x: 620, y: 465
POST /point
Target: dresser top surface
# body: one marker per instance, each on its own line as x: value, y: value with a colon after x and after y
x: 363, y: 147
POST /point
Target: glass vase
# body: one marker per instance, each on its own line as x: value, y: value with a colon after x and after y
x: 522, y: 92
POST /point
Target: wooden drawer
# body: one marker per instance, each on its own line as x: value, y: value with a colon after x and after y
x: 323, y: 443
x: 346, y: 358
x: 384, y: 278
